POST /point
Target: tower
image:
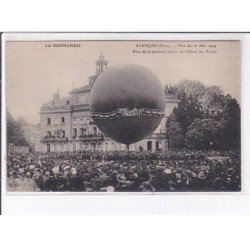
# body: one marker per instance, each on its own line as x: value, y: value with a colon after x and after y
x: 101, y: 64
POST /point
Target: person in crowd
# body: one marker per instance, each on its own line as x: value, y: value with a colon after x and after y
x: 30, y: 184
x: 121, y: 171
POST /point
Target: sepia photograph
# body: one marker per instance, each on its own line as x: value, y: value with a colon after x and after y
x: 126, y: 116
x: 124, y: 119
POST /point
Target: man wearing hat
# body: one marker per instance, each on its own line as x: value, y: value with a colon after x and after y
x: 49, y: 182
x: 38, y: 180
x: 95, y: 183
x: 147, y: 187
x: 61, y: 182
x: 202, y: 180
x: 103, y: 179
x: 75, y: 182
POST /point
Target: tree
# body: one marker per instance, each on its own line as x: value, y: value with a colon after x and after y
x: 200, y: 105
x: 212, y: 101
x: 188, y: 109
x: 231, y: 120
x: 194, y: 88
x: 204, y: 134
x: 21, y: 120
x: 15, y: 133
x: 175, y: 136
x: 210, y: 98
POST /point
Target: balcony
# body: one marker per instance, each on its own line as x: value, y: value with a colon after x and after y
x: 54, y: 139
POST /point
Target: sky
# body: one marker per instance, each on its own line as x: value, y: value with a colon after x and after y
x: 36, y: 70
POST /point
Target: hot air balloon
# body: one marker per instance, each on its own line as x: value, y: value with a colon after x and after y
x: 127, y: 103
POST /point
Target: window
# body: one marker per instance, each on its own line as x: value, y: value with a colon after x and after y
x: 48, y: 121
x: 74, y: 132
x: 95, y: 130
x: 63, y: 120
x: 49, y: 133
x: 157, y: 145
x: 82, y: 131
x: 149, y: 145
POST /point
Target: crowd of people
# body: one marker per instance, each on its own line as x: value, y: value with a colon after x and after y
x: 87, y: 171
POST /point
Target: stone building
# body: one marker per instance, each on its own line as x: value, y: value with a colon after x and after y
x: 66, y: 124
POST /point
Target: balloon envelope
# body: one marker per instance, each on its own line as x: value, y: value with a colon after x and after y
x: 127, y: 102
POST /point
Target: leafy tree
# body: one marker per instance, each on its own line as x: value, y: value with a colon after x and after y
x: 175, y: 134
x: 204, y: 134
x: 205, y: 117
x: 21, y: 120
x: 195, y: 89
x: 230, y: 117
x: 188, y: 109
x: 15, y: 133
x: 212, y: 101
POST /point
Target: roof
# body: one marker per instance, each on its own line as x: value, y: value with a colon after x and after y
x: 60, y: 103
x: 86, y: 88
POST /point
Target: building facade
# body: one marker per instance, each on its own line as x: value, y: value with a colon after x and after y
x: 66, y: 123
